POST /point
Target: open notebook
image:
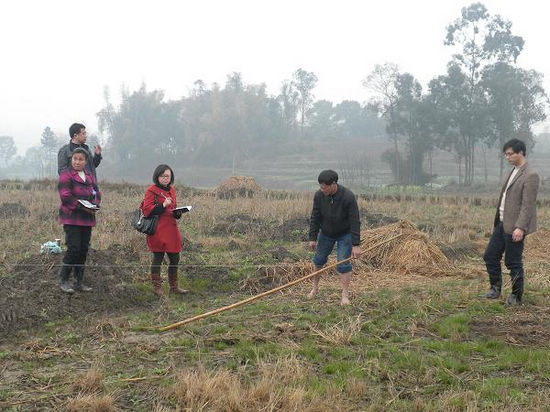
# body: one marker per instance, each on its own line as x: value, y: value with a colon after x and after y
x: 184, y: 208
x: 88, y: 205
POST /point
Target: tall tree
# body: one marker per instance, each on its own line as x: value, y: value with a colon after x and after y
x: 322, y: 120
x: 289, y: 101
x: 49, y: 143
x: 455, y: 118
x: 407, y: 124
x: 34, y: 162
x: 7, y: 149
x: 481, y: 40
x: 304, y: 82
x: 194, y: 115
x: 144, y: 127
x: 353, y: 120
x: 516, y: 101
x: 228, y: 121
x: 383, y: 82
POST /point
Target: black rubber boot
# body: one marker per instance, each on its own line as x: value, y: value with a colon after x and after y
x: 517, y: 287
x: 513, y: 300
x: 64, y: 275
x: 78, y: 276
x: 494, y: 292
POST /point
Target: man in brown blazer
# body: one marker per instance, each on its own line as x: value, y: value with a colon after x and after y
x: 515, y: 218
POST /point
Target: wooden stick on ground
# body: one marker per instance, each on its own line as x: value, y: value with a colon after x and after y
x: 270, y: 292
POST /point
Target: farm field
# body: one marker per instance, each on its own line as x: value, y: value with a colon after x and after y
x: 410, y: 341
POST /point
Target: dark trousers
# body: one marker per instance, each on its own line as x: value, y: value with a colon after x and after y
x: 158, y: 257
x: 501, y: 243
x: 77, y: 239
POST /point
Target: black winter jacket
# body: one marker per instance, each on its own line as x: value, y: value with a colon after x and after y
x: 335, y: 215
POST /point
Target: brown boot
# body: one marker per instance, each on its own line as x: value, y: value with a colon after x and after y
x: 174, y: 288
x: 157, y: 284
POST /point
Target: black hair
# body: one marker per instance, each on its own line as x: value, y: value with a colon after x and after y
x: 75, y: 129
x: 80, y: 150
x: 327, y: 177
x: 160, y: 170
x: 516, y: 145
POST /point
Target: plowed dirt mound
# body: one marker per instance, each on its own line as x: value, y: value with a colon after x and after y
x: 292, y: 229
x: 371, y: 220
x: 526, y: 325
x: 31, y: 296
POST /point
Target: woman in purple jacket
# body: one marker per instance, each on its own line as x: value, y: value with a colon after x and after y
x: 75, y: 184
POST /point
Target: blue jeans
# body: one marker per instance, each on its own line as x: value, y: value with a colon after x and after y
x: 501, y: 243
x: 325, y: 245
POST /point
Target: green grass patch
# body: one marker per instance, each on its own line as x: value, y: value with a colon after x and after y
x: 454, y: 326
x: 310, y: 351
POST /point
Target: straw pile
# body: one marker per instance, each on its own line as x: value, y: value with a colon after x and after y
x: 276, y: 275
x: 238, y: 186
x: 413, y: 252
x: 537, y: 245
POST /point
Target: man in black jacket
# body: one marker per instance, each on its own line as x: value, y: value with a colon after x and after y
x: 78, y: 135
x: 334, y: 219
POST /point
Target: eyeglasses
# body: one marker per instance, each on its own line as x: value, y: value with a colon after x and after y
x: 508, y: 154
x: 165, y: 176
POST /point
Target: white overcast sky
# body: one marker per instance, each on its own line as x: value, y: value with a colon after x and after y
x: 57, y: 56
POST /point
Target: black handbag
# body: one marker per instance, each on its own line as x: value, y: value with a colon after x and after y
x: 144, y: 224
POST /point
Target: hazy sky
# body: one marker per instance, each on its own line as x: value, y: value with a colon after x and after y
x: 57, y: 56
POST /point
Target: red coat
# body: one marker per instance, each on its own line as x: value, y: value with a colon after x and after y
x: 167, y: 237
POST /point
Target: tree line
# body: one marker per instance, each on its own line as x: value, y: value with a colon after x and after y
x: 481, y: 101
x: 224, y: 125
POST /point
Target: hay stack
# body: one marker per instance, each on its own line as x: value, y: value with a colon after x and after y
x: 537, y: 245
x: 238, y: 186
x: 270, y: 276
x: 413, y: 252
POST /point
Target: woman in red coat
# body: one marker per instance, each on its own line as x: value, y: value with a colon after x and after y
x: 160, y: 199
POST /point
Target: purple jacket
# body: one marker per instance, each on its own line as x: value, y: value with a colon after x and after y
x: 71, y: 189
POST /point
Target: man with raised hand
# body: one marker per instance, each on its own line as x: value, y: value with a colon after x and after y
x: 334, y: 219
x: 78, y: 135
x: 515, y: 217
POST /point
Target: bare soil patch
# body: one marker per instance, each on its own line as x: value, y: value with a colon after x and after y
x: 31, y: 296
x: 239, y: 223
x: 372, y: 220
x: 460, y: 250
x: 282, y: 254
x: 293, y: 229
x: 526, y: 325
x: 215, y: 278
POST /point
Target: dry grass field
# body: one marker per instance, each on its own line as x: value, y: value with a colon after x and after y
x: 414, y: 339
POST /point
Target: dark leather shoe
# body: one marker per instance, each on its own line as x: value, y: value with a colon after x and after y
x: 512, y: 300
x: 494, y: 293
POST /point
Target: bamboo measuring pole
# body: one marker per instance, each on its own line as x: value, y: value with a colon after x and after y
x: 270, y: 292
